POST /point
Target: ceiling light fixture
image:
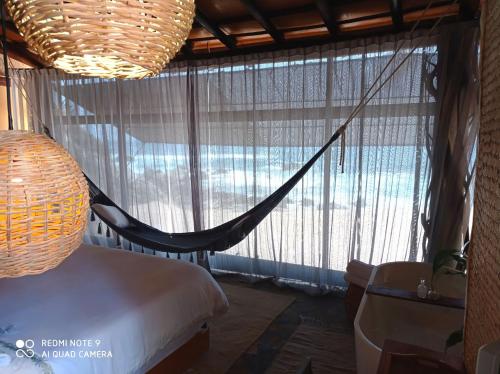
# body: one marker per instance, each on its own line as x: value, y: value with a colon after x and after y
x: 104, y: 38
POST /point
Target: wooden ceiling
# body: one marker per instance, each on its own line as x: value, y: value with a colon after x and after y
x: 240, y: 26
x: 230, y: 27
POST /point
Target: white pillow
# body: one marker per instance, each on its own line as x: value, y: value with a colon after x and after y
x: 112, y: 215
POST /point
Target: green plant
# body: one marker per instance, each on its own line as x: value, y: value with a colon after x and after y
x: 443, y: 261
x: 455, y: 338
x: 451, y: 262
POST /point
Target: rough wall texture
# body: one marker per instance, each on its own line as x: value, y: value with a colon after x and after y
x: 482, y: 322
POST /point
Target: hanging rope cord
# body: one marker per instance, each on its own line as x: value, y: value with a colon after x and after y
x: 368, y: 95
x: 232, y: 232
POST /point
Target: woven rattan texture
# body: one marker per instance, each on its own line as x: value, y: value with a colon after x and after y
x: 482, y: 324
x: 44, y: 204
x: 121, y: 38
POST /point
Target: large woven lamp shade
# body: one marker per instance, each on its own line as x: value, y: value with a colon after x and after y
x: 43, y: 204
x: 104, y: 38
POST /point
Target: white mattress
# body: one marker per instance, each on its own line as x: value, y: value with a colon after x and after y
x: 134, y: 305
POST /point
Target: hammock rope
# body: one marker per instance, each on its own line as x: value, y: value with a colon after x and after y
x: 226, y: 235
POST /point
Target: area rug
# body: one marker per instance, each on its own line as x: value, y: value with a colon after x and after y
x: 250, y: 313
x: 331, y: 351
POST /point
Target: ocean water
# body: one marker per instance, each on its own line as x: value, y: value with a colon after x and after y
x: 388, y: 171
x: 252, y: 173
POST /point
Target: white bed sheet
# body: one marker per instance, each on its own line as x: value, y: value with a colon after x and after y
x: 135, y: 305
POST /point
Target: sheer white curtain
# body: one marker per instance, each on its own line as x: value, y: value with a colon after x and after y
x: 129, y: 136
x: 206, y: 141
x: 259, y: 118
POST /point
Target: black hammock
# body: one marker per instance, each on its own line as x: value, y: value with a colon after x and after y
x: 215, y: 239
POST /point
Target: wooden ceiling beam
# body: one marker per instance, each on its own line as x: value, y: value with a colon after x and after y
x: 263, y: 20
x: 441, y: 8
x: 295, y: 43
x: 376, y: 29
x: 271, y: 14
x: 19, y: 52
x: 293, y: 10
x: 213, y: 28
x: 396, y: 14
x: 326, y: 12
x: 301, y: 28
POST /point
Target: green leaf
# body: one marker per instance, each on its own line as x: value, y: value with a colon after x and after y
x: 455, y: 338
x: 442, y: 258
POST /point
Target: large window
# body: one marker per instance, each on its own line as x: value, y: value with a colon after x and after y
x: 201, y: 144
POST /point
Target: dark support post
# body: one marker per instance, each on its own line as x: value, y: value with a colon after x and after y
x: 6, y: 65
x: 396, y: 14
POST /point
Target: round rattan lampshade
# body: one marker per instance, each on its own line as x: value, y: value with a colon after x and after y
x: 104, y: 38
x: 44, y: 204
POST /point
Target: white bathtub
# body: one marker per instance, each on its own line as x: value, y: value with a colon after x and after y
x: 381, y: 318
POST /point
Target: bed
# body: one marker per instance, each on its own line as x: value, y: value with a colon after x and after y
x: 105, y: 311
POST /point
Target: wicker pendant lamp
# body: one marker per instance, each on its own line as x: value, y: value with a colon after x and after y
x: 104, y: 38
x: 44, y: 204
x: 44, y: 199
